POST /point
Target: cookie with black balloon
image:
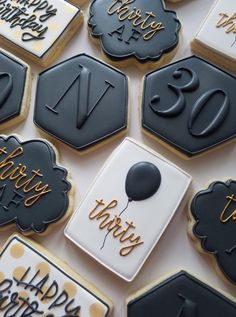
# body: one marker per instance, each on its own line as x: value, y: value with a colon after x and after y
x: 35, y: 192
x: 212, y: 218
x: 128, y: 207
x: 135, y: 31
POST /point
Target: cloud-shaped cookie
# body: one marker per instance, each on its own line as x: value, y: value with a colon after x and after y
x: 134, y: 28
x: 214, y: 211
x: 33, y: 189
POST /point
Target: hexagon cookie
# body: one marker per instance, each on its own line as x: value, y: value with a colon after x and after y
x: 87, y: 105
x: 15, y: 90
x: 189, y: 106
x: 180, y: 295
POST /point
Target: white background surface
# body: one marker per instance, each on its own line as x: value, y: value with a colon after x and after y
x: 175, y: 250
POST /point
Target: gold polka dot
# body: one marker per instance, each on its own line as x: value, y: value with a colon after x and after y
x: 49, y: 294
x: 69, y: 9
x: 43, y: 268
x: 17, y: 34
x: 23, y: 294
x: 38, y: 46
x: 2, y: 276
x: 17, y: 250
x: 54, y: 27
x: 19, y: 272
x: 70, y: 289
x: 96, y: 310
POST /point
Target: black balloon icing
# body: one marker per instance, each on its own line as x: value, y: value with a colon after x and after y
x: 181, y: 295
x: 217, y: 237
x: 134, y: 28
x: 33, y: 189
x: 142, y: 181
x: 193, y: 98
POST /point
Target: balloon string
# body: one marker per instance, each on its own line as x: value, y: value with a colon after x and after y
x: 104, y: 241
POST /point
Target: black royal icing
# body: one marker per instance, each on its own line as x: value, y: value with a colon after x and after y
x: 31, y: 205
x: 217, y: 237
x: 192, y: 97
x: 12, y: 87
x: 87, y: 105
x: 122, y: 39
x: 181, y: 295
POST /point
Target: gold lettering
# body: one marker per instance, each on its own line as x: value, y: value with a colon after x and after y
x: 227, y: 22
x: 223, y: 217
x: 19, y: 175
x: 114, y: 225
x: 135, y: 15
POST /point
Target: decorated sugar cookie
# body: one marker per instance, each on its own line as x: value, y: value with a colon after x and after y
x: 38, y: 29
x: 212, y: 224
x: 180, y: 295
x: 34, y: 190
x: 34, y: 283
x: 81, y: 102
x: 15, y: 90
x: 216, y: 38
x: 128, y: 207
x: 134, y: 30
x: 184, y: 97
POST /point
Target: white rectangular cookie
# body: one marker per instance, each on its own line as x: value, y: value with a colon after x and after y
x: 38, y: 29
x: 34, y: 283
x: 216, y: 37
x: 128, y: 207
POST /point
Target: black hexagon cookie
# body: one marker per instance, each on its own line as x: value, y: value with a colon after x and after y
x: 15, y: 84
x: 213, y: 217
x: 190, y: 106
x: 144, y: 30
x: 180, y: 295
x: 87, y: 105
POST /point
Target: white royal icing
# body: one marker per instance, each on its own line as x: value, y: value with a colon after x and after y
x: 218, y: 31
x: 35, y: 25
x: 150, y: 216
x: 19, y: 261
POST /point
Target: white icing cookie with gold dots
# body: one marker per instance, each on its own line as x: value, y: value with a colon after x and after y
x: 34, y: 283
x: 216, y: 38
x: 38, y: 29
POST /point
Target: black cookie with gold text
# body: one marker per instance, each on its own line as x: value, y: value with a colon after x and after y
x: 196, y: 99
x: 34, y: 191
x: 87, y: 105
x: 141, y: 29
x: 213, y: 218
x: 180, y: 295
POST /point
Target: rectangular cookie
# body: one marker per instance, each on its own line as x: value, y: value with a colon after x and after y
x: 216, y: 37
x: 34, y: 283
x: 38, y: 29
x: 128, y: 207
